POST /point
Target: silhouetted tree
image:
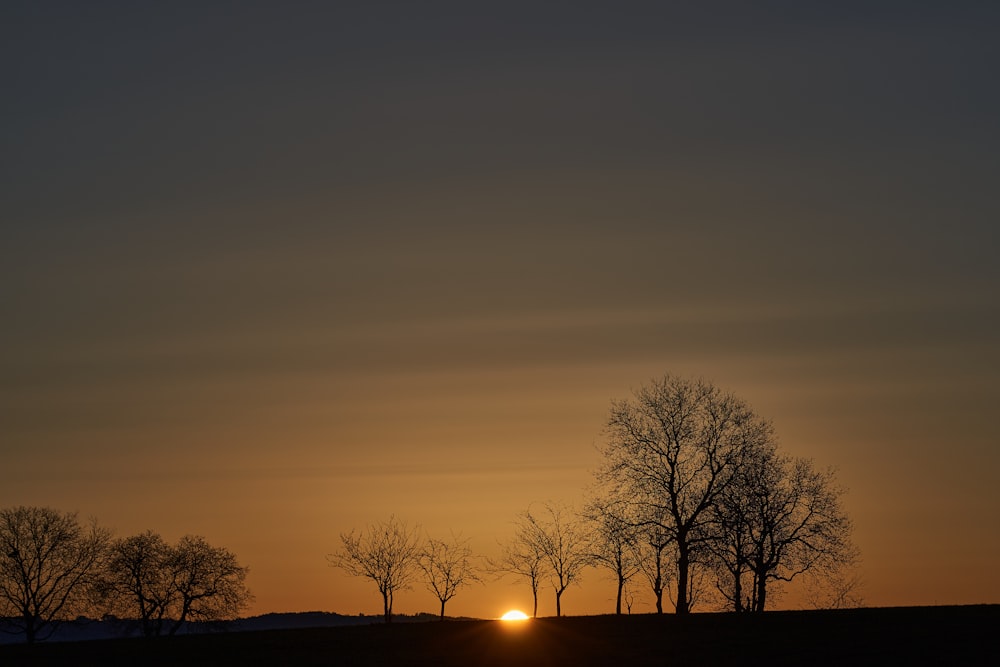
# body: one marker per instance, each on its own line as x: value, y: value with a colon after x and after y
x: 137, y: 582
x: 563, y: 540
x: 209, y: 580
x: 48, y: 567
x: 386, y: 552
x: 670, y: 451
x: 628, y: 598
x: 165, y: 586
x: 615, y: 547
x: 447, y: 566
x: 779, y: 518
x: 653, y: 552
x: 836, y: 585
x: 733, y: 513
x: 522, y: 558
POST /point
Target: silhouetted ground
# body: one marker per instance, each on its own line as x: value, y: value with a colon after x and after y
x: 892, y: 636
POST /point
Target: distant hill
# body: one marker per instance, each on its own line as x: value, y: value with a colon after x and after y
x: 83, y: 629
x: 317, y: 619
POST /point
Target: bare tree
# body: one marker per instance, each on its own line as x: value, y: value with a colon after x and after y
x: 522, y: 558
x: 210, y: 582
x: 564, y: 542
x: 136, y: 582
x: 48, y: 566
x: 615, y: 547
x: 386, y: 552
x: 836, y: 587
x: 734, y: 512
x: 653, y: 552
x: 447, y: 567
x: 781, y: 518
x: 730, y: 558
x: 629, y: 598
x: 670, y: 451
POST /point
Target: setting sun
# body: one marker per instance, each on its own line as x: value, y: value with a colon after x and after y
x: 514, y: 615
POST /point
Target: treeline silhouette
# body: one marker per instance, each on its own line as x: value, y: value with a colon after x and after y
x: 54, y: 568
x: 692, y: 495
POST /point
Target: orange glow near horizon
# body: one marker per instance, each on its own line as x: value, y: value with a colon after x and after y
x: 514, y: 615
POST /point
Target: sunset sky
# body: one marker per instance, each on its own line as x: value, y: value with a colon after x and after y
x: 272, y: 271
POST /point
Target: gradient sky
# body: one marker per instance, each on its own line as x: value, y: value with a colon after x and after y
x: 271, y: 271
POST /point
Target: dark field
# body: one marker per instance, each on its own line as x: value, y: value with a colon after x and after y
x: 895, y: 636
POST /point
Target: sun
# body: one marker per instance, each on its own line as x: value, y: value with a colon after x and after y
x: 514, y: 615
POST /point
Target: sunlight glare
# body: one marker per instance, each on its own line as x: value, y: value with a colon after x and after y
x: 514, y: 615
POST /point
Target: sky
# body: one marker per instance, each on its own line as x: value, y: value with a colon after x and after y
x: 270, y: 272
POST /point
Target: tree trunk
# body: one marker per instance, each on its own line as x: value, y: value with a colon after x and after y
x: 761, y: 592
x: 658, y: 583
x: 558, y: 602
x: 737, y: 592
x: 174, y: 627
x: 442, y: 610
x: 683, y: 563
x: 185, y: 607
x: 387, y: 606
x: 618, y: 600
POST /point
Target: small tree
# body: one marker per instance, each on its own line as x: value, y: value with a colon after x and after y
x: 564, y: 542
x: 210, y: 583
x: 524, y: 559
x: 629, y: 599
x: 653, y: 554
x: 734, y: 512
x: 616, y: 547
x: 137, y: 583
x: 447, y: 567
x: 837, y: 586
x: 49, y: 565
x: 386, y: 552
